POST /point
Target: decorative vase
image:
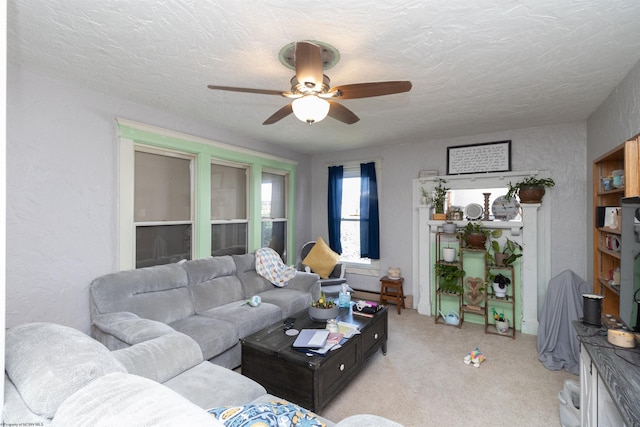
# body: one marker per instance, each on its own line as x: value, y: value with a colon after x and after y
x: 500, y: 289
x: 448, y: 254
x: 531, y: 194
x: 322, y: 314
x: 476, y: 240
x: 502, y: 327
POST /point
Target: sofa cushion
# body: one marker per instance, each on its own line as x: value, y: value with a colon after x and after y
x: 277, y: 413
x: 248, y: 319
x: 209, y: 385
x: 214, y: 336
x: 161, y: 358
x: 252, y: 282
x: 321, y: 259
x: 128, y: 400
x: 47, y: 363
x: 290, y: 301
x: 213, y: 282
x: 158, y: 293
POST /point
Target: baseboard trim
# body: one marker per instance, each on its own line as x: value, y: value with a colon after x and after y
x: 375, y: 296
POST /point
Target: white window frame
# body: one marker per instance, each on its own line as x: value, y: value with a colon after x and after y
x: 284, y: 219
x: 247, y: 220
x: 129, y: 233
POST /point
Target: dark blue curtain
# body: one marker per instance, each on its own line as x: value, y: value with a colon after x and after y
x: 369, y: 217
x: 334, y: 206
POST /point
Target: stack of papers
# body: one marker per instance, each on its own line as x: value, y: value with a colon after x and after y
x: 348, y: 329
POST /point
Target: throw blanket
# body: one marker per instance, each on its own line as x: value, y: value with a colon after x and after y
x: 270, y: 266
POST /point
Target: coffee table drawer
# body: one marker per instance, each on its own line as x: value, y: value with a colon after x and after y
x: 374, y: 336
x: 338, y: 369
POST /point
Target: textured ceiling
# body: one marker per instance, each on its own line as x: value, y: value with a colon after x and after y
x: 476, y: 66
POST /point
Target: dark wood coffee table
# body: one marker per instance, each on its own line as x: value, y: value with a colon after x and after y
x: 311, y: 381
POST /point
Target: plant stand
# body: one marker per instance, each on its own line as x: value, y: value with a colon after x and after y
x: 507, y: 303
x: 449, y: 238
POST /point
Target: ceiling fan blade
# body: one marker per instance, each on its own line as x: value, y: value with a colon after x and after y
x: 279, y: 115
x: 308, y: 60
x: 342, y: 113
x: 247, y: 90
x: 366, y: 90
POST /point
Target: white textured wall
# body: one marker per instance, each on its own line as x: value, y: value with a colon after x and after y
x: 61, y: 193
x: 561, y: 149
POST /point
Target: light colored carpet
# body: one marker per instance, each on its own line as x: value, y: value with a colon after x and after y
x: 423, y: 381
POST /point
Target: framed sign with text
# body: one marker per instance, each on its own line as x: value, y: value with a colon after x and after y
x: 477, y: 158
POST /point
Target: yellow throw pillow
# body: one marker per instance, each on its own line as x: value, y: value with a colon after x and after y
x: 321, y: 259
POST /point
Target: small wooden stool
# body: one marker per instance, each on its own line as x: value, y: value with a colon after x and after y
x: 391, y: 291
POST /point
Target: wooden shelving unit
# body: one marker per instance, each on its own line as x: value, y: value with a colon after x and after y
x: 451, y: 239
x: 507, y: 302
x: 626, y: 156
x: 462, y: 301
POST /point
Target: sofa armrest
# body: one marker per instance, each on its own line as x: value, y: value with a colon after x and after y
x: 367, y: 420
x: 303, y: 281
x: 130, y: 328
x: 129, y: 401
x: 161, y: 358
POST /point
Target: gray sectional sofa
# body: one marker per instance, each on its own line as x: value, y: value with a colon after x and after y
x: 204, y: 299
x: 58, y: 376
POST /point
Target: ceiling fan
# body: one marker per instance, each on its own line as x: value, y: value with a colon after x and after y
x: 313, y: 97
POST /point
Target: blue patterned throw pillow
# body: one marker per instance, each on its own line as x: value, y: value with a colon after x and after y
x: 268, y: 414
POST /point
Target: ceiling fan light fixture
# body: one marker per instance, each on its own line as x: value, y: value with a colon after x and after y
x: 310, y: 108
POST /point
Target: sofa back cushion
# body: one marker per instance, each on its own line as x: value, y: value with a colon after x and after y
x: 252, y: 282
x: 213, y: 282
x: 47, y: 363
x: 158, y: 293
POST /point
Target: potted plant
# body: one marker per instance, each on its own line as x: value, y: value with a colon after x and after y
x: 449, y: 254
x: 500, y: 284
x: 502, y: 323
x: 529, y: 190
x: 454, y: 214
x: 507, y: 255
x: 323, y: 308
x: 449, y: 275
x: 475, y: 234
x: 438, y: 199
x: 449, y: 227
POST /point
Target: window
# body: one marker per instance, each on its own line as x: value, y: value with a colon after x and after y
x: 163, y: 207
x: 185, y: 197
x: 273, y: 212
x: 229, y: 213
x: 351, y: 219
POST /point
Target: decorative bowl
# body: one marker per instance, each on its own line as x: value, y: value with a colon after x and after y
x: 323, y: 314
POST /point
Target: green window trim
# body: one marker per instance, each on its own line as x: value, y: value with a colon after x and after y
x: 132, y: 133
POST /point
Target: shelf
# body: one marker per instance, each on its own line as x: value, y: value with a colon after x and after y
x: 507, y: 300
x: 609, y: 252
x: 610, y: 230
x: 616, y: 191
x: 472, y: 309
x: 613, y: 288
